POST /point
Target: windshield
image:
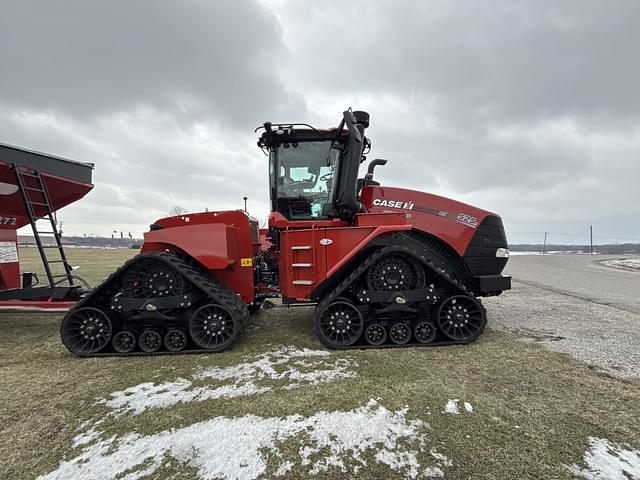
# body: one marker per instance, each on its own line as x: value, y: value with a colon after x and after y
x: 303, y: 178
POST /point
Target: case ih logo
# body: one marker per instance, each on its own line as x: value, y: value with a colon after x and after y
x: 378, y: 202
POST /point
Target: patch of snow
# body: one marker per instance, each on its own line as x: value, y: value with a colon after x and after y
x: 442, y: 459
x: 608, y: 461
x: 297, y: 367
x: 632, y: 263
x: 452, y: 407
x: 150, y: 395
x: 86, y: 437
x: 433, y: 472
x: 234, y: 448
x: 283, y: 468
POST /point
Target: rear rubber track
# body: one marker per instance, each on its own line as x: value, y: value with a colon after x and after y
x: 212, y: 291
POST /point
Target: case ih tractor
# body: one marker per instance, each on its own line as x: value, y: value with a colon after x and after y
x: 384, y: 266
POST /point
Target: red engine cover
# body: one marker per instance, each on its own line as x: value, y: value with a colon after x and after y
x: 451, y: 221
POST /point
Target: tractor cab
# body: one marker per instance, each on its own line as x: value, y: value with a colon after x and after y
x: 313, y: 173
x: 303, y: 178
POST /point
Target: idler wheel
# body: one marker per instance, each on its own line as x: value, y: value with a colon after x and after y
x: 339, y: 324
x: 461, y: 318
x: 213, y: 327
x: 86, y: 330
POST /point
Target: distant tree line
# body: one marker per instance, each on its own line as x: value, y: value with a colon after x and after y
x: 610, y: 249
x: 95, y: 242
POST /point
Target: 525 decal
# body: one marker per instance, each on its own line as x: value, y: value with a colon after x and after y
x: 468, y: 219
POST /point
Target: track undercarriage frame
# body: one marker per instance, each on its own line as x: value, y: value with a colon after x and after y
x: 402, y: 293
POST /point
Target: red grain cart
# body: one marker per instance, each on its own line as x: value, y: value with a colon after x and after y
x: 33, y: 186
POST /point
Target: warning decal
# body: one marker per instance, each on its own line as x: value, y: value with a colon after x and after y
x: 8, y: 252
x: 246, y: 262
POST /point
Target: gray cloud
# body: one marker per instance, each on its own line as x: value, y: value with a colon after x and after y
x: 479, y: 64
x: 191, y: 58
x: 527, y: 108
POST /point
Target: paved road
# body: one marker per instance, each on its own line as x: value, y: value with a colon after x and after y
x: 574, y: 305
x: 580, y: 275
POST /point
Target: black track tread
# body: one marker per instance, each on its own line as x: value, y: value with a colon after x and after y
x: 431, y: 254
x: 196, y: 274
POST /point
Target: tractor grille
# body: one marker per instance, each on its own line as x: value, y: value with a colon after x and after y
x: 480, y: 256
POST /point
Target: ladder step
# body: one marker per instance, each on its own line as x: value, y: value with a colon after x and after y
x: 23, y: 174
x: 301, y: 247
x: 56, y: 261
x: 39, y: 203
x: 302, y: 265
x: 52, y: 246
x: 34, y: 189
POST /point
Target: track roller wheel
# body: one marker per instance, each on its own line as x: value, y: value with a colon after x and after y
x: 339, y: 324
x: 400, y: 333
x: 86, y: 330
x: 461, y: 318
x: 425, y: 332
x: 124, y: 341
x: 175, y: 340
x: 150, y: 341
x: 375, y: 334
x: 213, y: 327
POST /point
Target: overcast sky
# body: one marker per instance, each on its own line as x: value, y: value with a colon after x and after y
x: 530, y: 108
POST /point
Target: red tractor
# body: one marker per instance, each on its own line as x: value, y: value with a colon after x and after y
x: 383, y: 266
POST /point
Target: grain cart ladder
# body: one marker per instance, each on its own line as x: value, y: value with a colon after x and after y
x: 39, y: 191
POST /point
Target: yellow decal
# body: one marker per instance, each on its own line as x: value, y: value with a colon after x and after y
x: 246, y: 262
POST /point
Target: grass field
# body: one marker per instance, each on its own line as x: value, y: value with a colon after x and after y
x: 277, y: 403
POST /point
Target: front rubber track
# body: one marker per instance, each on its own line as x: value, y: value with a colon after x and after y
x: 448, y: 274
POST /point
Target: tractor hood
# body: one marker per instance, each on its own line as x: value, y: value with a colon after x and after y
x: 461, y: 225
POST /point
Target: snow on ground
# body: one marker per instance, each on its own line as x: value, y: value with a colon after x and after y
x: 452, y: 407
x: 608, y: 461
x: 632, y: 263
x: 85, y: 437
x: 238, y: 447
x: 288, y: 367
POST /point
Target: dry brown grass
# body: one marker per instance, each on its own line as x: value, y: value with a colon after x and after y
x: 533, y: 409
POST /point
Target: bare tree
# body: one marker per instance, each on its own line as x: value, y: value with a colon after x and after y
x: 177, y: 210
